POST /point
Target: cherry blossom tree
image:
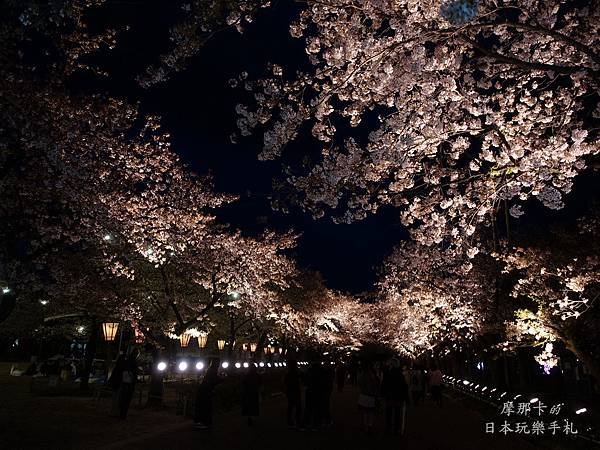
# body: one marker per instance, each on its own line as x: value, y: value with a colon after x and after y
x: 557, y: 280
x: 430, y: 299
x: 201, y: 20
x: 449, y: 110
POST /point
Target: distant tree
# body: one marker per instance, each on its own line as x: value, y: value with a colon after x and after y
x: 557, y: 276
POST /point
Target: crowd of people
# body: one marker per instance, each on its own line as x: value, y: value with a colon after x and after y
x: 381, y: 386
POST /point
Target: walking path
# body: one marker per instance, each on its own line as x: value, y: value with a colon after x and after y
x: 428, y: 427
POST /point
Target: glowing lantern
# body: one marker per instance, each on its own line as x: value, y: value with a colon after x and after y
x: 221, y: 344
x: 110, y: 330
x: 266, y: 350
x: 253, y: 347
x: 272, y: 349
x: 184, y: 339
x: 202, y: 340
x: 280, y: 350
x: 245, y: 347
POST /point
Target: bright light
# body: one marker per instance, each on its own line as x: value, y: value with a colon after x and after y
x: 238, y: 365
x: 225, y: 365
x: 81, y: 329
x: 246, y: 365
x: 199, y: 365
x: 503, y: 394
x: 44, y: 302
x: 268, y: 364
x: 182, y: 366
x: 107, y: 237
x: 161, y: 366
x: 261, y: 364
x: 517, y: 396
x: 235, y: 294
x: 465, y: 382
x: 285, y: 364
x: 5, y: 290
x: 534, y: 399
x: 581, y: 411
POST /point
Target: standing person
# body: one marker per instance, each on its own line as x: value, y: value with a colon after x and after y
x: 394, y: 391
x: 203, y: 409
x: 114, y: 381
x: 435, y: 385
x: 128, y: 380
x: 327, y: 389
x: 417, y: 385
x: 312, y: 396
x: 293, y: 394
x: 251, y: 383
x: 340, y: 375
x: 368, y: 385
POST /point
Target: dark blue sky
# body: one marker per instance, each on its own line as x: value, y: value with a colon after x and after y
x: 198, y: 108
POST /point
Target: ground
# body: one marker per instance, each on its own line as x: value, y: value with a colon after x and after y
x: 34, y: 421
x: 428, y: 427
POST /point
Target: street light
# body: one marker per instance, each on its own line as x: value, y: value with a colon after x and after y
x: 161, y: 366
x: 199, y: 365
x: 109, y: 329
x: 182, y: 366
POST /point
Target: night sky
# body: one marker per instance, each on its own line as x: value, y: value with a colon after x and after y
x: 197, y: 107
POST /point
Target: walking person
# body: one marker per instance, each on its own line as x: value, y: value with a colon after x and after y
x: 326, y: 390
x: 417, y: 385
x: 394, y: 391
x: 368, y: 386
x: 293, y: 395
x: 251, y: 383
x: 114, y: 381
x: 203, y: 408
x: 435, y: 385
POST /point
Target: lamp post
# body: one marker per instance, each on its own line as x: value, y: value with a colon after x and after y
x: 184, y: 339
x: 109, y: 330
x: 202, y: 339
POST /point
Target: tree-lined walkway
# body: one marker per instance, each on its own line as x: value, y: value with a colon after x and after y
x: 428, y: 427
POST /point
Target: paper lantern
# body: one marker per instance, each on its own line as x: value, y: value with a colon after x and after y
x: 109, y: 329
x: 202, y: 340
x: 184, y: 339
